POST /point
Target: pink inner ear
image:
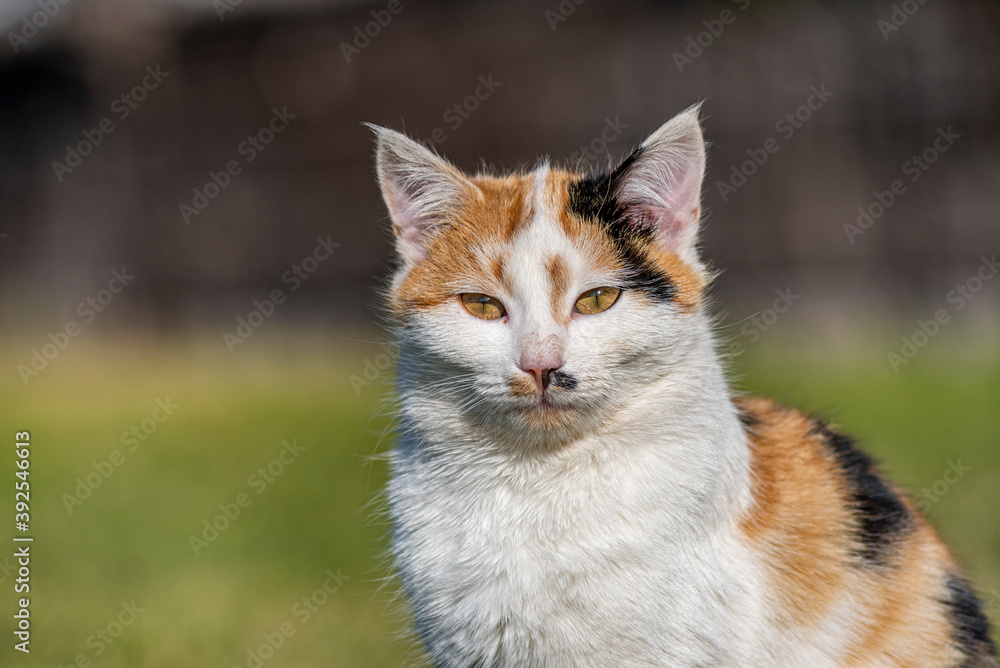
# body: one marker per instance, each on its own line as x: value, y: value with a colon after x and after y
x: 410, y: 226
x: 411, y: 243
x: 674, y: 214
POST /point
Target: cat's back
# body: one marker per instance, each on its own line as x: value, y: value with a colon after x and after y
x: 840, y: 541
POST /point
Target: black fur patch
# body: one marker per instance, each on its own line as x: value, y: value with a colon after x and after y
x: 970, y: 629
x: 563, y: 380
x: 882, y: 517
x: 592, y: 198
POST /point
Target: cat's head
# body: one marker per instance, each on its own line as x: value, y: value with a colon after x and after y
x: 539, y: 303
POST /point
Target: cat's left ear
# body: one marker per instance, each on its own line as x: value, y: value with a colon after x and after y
x: 420, y: 189
x: 660, y: 183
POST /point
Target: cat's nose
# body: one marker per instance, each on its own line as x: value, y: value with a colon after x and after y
x: 542, y: 373
x: 540, y: 357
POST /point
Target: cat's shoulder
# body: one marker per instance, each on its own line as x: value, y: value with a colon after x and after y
x: 804, y: 468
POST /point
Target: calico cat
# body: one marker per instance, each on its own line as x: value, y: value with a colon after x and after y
x: 576, y: 485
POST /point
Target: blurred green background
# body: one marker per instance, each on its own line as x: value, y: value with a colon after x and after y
x: 130, y: 540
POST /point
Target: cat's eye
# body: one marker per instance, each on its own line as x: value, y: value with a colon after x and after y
x: 596, y: 300
x: 483, y: 306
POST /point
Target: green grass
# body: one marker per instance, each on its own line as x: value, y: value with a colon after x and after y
x: 130, y: 539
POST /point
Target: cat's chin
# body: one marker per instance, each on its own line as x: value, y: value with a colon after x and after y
x: 546, y: 414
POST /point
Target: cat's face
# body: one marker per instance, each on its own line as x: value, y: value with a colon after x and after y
x: 542, y: 302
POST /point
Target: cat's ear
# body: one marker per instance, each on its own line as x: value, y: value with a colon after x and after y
x: 420, y: 190
x: 660, y: 183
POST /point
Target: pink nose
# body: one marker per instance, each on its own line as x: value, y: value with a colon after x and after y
x: 541, y: 366
x: 540, y: 357
x: 542, y: 376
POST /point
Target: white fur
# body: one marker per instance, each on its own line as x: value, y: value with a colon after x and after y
x: 611, y: 542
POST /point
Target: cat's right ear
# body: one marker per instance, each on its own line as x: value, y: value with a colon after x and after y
x: 420, y: 189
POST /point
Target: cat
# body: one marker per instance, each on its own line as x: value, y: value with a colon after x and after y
x: 575, y: 484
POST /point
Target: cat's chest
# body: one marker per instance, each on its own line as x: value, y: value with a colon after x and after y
x: 564, y: 566
x: 529, y: 528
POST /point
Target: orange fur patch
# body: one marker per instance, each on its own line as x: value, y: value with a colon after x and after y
x: 499, y: 274
x: 906, y: 622
x: 521, y: 386
x: 469, y: 249
x: 807, y: 543
x: 559, y: 277
x: 690, y: 282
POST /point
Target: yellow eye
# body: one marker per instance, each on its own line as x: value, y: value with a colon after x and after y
x: 596, y: 300
x: 483, y: 306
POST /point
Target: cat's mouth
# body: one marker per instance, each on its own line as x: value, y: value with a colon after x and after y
x: 521, y: 386
x: 545, y: 402
x: 546, y: 408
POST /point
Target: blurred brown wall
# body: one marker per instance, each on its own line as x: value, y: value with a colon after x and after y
x: 553, y: 91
